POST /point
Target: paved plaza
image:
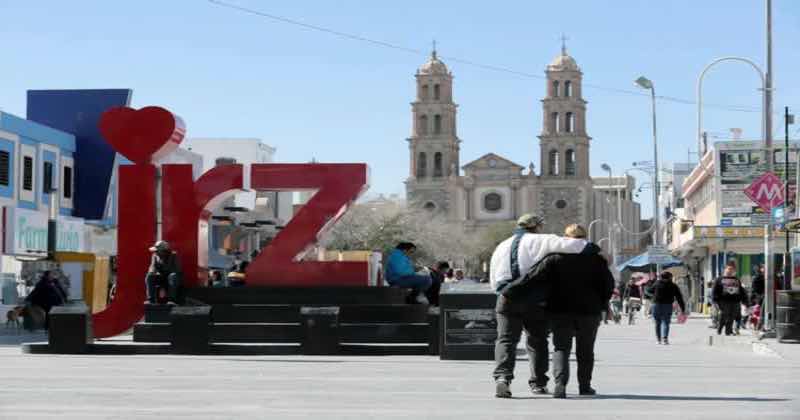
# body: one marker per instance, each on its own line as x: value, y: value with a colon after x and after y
x: 635, y: 378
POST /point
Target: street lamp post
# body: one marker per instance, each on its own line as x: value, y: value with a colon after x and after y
x: 645, y: 83
x: 612, y: 230
x: 591, y: 225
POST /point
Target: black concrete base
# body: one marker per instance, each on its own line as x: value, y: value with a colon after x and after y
x: 320, y: 330
x: 190, y: 328
x: 70, y: 329
x: 468, y: 325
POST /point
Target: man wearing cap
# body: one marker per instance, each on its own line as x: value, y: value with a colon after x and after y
x: 579, y: 288
x: 520, y: 306
x: 164, y: 273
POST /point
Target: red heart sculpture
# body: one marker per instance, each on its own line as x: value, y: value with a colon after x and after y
x: 143, y: 135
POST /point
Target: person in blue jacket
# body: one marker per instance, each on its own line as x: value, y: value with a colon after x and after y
x: 400, y: 272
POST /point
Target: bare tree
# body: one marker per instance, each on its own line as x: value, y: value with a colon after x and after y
x: 381, y: 228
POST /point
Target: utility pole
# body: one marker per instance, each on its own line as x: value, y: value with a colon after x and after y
x: 768, y: 254
x: 786, y: 260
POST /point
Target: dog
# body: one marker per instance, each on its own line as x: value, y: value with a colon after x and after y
x: 14, y: 317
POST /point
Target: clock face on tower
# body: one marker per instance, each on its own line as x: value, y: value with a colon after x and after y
x: 492, y: 163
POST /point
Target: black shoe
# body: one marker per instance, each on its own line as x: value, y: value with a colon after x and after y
x: 559, y: 392
x: 502, y: 389
x: 587, y: 391
x: 539, y: 389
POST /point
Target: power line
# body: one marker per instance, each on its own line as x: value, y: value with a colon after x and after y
x: 491, y: 67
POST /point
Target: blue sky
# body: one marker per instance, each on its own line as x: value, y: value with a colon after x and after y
x: 316, y: 95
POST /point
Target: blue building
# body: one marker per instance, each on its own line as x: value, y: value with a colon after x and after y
x: 34, y: 160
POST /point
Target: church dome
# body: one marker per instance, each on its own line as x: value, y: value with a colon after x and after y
x: 433, y: 66
x: 563, y: 62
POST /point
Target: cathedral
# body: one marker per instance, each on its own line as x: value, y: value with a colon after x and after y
x: 493, y: 188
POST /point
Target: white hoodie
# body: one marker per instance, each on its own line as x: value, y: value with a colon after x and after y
x: 533, y: 247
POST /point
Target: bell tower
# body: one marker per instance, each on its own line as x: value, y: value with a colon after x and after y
x: 564, y: 143
x: 434, y: 144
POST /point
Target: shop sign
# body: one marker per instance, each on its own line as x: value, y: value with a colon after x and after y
x: 741, y: 163
x: 26, y: 233
x: 728, y: 232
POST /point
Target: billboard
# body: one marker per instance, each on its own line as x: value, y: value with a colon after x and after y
x: 741, y: 163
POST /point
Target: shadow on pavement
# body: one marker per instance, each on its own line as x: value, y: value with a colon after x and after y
x: 677, y: 398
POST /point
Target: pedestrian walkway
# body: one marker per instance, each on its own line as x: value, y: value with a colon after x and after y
x: 636, y: 379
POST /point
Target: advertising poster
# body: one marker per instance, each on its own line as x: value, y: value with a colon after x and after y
x: 740, y: 163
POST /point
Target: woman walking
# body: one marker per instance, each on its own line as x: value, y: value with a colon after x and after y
x: 665, y: 293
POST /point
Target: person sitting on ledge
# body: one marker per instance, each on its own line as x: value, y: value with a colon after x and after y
x: 164, y: 275
x: 237, y: 277
x: 400, y: 272
x: 45, y: 295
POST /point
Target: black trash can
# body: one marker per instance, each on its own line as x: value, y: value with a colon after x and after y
x: 787, y: 311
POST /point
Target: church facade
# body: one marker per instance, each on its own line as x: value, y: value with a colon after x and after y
x: 493, y: 188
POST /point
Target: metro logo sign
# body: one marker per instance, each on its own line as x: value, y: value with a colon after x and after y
x: 766, y: 191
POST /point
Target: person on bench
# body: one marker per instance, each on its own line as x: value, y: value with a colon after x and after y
x: 400, y: 272
x: 164, y: 275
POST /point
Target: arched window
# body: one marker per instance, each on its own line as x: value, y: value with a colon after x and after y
x: 555, y: 88
x: 567, y: 88
x: 437, y: 165
x: 423, y: 125
x: 429, y: 206
x: 437, y: 124
x: 569, y: 124
x: 555, y: 123
x: 553, y: 162
x: 424, y: 93
x: 436, y: 92
x: 492, y: 202
x: 422, y: 165
x: 571, y: 162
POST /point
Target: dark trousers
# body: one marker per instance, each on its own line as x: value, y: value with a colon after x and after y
x: 172, y: 284
x: 728, y: 313
x: 512, y: 318
x: 584, y: 329
x: 662, y: 316
x: 433, y: 292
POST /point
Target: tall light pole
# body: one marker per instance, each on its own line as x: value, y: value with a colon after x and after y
x: 645, y: 83
x: 611, y: 226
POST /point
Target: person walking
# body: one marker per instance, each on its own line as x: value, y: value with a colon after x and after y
x: 520, y: 302
x: 400, y: 272
x: 728, y: 296
x: 580, y: 287
x: 665, y: 293
x: 711, y: 305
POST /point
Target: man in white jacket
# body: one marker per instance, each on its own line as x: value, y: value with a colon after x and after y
x: 510, y: 263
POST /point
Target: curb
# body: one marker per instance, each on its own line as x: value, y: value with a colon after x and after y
x: 744, y: 343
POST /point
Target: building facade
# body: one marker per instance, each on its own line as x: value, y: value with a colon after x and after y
x: 717, y: 221
x: 493, y: 188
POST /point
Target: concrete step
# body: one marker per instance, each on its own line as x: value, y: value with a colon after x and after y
x: 255, y: 333
x: 307, y: 296
x: 237, y: 313
x: 384, y: 333
x: 152, y: 332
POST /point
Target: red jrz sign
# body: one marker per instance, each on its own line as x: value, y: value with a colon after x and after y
x: 766, y: 191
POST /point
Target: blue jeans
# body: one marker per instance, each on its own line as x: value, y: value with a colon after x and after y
x: 418, y: 282
x: 662, y: 315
